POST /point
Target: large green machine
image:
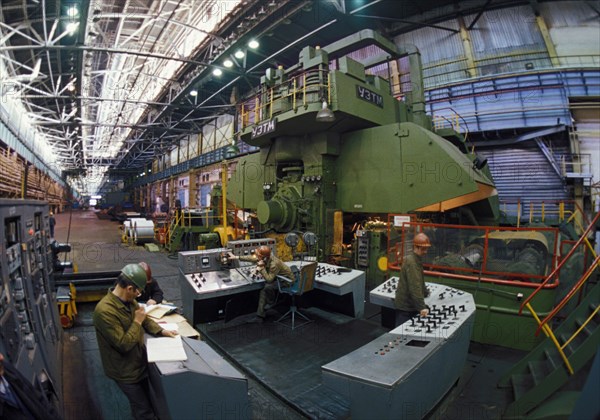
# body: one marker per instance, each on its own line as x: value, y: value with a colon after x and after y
x: 338, y: 149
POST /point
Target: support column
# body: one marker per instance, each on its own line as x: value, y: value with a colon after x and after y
x: 541, y: 23
x: 468, y: 47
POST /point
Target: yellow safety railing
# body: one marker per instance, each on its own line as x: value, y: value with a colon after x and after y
x: 309, y: 87
x: 544, y: 211
x: 544, y: 323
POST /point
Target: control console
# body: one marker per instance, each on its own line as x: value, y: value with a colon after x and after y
x: 390, y: 377
x: 448, y: 308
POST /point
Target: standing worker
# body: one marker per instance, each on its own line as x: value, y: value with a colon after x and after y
x: 268, y: 266
x: 51, y: 223
x: 152, y: 293
x: 411, y: 291
x: 120, y: 324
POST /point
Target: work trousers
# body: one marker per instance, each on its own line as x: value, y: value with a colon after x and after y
x: 267, y: 296
x: 138, y: 395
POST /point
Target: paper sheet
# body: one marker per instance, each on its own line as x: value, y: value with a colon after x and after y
x: 158, y: 311
x: 165, y: 349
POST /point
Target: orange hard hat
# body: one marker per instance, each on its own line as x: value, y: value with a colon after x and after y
x: 147, y: 269
x: 422, y: 240
x: 263, y: 251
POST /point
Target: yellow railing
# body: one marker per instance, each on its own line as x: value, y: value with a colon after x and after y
x: 453, y: 120
x: 309, y: 87
x: 546, y: 211
x: 544, y: 323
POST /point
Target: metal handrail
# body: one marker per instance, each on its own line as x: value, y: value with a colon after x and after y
x: 564, y: 260
x: 298, y: 87
x: 571, y: 293
x: 543, y: 324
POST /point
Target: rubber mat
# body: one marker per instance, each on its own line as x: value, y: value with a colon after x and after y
x: 289, y: 362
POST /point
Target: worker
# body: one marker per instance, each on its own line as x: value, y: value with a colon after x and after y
x: 411, y: 291
x: 269, y: 267
x: 19, y: 399
x: 120, y: 324
x: 51, y: 224
x: 152, y: 293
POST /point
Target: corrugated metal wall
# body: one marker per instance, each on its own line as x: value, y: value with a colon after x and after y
x: 524, y: 174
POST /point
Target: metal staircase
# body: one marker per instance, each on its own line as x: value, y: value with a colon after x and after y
x: 567, y: 348
x: 542, y: 372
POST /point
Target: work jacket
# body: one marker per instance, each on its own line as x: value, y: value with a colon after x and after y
x: 121, y: 340
x: 151, y: 291
x: 411, y: 291
x: 273, y: 268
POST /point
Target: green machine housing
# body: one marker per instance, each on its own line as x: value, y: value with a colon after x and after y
x: 378, y: 156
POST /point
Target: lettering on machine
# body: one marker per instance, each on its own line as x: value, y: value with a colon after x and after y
x: 369, y: 96
x: 264, y: 128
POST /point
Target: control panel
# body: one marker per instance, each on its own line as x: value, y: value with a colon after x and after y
x: 30, y: 330
x: 380, y: 377
x: 362, y: 249
x: 448, y: 309
x: 340, y: 281
x: 247, y: 247
x: 222, y: 282
x: 334, y: 275
x: 202, y: 261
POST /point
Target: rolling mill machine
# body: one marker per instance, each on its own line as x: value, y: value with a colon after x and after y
x: 368, y: 153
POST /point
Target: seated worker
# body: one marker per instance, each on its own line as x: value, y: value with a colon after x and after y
x: 152, y: 293
x: 269, y: 266
x: 411, y: 291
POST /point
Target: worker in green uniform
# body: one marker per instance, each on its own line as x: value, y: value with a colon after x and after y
x: 411, y: 291
x: 269, y: 267
x: 120, y: 324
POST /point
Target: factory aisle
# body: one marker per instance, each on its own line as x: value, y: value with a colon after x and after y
x: 96, y: 247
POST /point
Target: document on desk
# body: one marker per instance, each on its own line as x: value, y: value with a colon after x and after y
x: 159, y: 310
x: 165, y: 349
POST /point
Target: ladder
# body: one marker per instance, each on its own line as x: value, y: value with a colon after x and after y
x: 542, y: 372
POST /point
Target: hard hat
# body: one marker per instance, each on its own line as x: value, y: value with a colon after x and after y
x: 147, y: 269
x: 263, y: 251
x: 422, y: 240
x: 135, y: 274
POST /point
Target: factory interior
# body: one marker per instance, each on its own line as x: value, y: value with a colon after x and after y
x: 306, y: 154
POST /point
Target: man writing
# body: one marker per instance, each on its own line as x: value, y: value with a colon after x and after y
x: 269, y: 267
x: 411, y: 291
x: 120, y: 324
x: 152, y: 293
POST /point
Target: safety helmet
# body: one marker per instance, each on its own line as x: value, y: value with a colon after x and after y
x: 135, y: 274
x: 263, y: 251
x: 147, y: 269
x: 421, y: 240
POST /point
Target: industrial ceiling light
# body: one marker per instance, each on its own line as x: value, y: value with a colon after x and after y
x: 217, y: 72
x: 228, y: 63
x: 239, y: 54
x: 193, y: 92
x: 325, y: 114
x: 72, y: 27
x: 72, y: 12
x: 253, y: 44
